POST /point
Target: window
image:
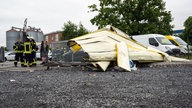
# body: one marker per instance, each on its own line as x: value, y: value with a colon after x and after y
x: 153, y: 42
x: 13, y: 53
x: 173, y: 42
x: 163, y: 41
x: 46, y: 38
x: 180, y: 41
x: 52, y: 38
x: 56, y: 37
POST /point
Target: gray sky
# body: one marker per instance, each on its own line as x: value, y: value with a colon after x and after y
x: 50, y: 15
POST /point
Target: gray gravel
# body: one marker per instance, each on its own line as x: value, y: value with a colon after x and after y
x: 64, y: 87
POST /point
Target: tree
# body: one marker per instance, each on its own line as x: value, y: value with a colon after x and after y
x: 82, y: 30
x: 133, y: 16
x: 71, y: 30
x: 187, y: 33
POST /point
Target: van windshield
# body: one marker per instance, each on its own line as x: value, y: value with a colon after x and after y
x: 180, y: 41
x: 163, y: 41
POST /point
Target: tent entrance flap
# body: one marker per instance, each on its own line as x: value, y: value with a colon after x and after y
x: 123, y: 56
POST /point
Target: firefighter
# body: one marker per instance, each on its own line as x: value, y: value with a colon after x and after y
x: 18, y: 48
x: 33, y: 53
x: 27, y: 53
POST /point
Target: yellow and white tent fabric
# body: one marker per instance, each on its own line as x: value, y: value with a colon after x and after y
x: 106, y: 45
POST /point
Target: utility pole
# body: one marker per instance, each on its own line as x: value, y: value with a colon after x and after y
x: 25, y: 29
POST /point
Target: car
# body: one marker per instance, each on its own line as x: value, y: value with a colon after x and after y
x: 9, y: 56
x: 78, y: 56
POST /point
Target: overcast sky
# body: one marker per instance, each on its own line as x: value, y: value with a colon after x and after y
x: 50, y: 15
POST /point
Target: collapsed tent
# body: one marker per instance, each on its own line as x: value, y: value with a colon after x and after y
x: 110, y: 44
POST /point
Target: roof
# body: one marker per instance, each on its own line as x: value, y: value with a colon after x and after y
x: 178, y: 31
x: 55, y: 32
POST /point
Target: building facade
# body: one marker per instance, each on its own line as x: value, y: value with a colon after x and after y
x: 15, y: 33
x: 177, y: 32
x: 53, y: 37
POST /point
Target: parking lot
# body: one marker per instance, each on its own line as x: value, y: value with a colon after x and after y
x: 155, y: 86
x: 8, y: 66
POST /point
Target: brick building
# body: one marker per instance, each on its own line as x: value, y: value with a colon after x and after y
x: 53, y: 36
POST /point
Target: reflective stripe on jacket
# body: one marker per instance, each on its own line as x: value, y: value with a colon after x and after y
x: 27, y: 48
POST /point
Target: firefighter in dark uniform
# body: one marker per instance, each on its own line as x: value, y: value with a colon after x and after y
x: 33, y: 53
x: 18, y: 48
x: 27, y: 53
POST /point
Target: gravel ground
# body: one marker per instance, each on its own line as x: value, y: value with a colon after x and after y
x: 65, y: 87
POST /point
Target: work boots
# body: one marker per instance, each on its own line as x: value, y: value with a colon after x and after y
x: 15, y: 63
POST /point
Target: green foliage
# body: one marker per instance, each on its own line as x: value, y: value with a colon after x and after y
x: 133, y: 16
x: 71, y: 30
x: 82, y: 30
x: 187, y: 33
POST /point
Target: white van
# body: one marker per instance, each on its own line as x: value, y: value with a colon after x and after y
x: 159, y: 42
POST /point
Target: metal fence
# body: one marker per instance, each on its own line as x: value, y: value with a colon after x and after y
x: 58, y: 50
x: 61, y: 52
